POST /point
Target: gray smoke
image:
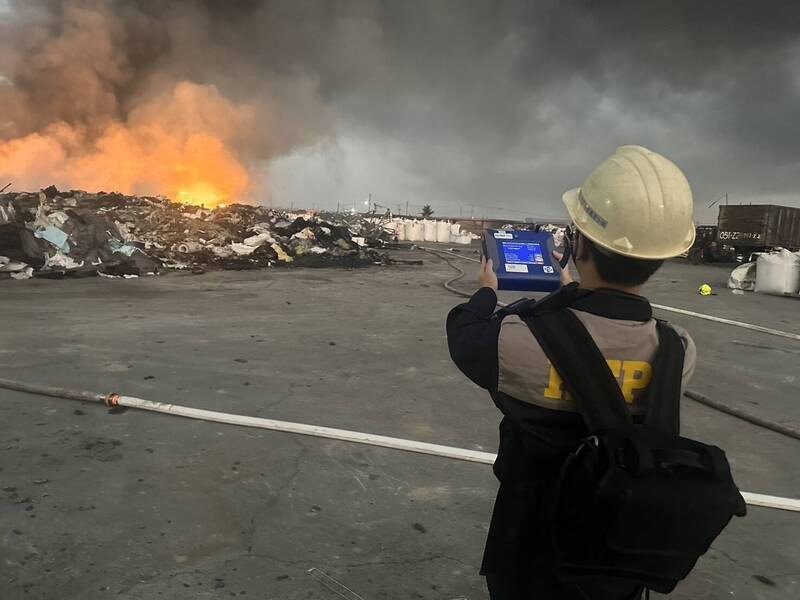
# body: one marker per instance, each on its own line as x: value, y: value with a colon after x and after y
x: 471, y: 104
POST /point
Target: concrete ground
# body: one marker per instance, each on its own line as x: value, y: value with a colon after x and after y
x: 100, y: 504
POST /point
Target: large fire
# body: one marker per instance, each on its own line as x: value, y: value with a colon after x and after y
x: 179, y: 144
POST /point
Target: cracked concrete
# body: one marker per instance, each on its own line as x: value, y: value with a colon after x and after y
x: 189, y: 510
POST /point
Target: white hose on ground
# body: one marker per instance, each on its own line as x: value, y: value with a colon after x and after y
x: 372, y: 439
x: 750, y: 326
x: 344, y: 435
x: 312, y: 430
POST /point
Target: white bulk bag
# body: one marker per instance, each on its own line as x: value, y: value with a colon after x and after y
x: 443, y: 232
x: 778, y: 273
x: 743, y: 277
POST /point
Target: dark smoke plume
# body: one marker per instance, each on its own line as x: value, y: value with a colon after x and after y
x: 487, y: 105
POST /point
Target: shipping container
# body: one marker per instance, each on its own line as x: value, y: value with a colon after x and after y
x: 755, y: 227
x: 706, y: 248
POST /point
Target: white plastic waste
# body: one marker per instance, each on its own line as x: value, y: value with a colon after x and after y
x: 778, y: 273
x: 11, y: 266
x: 242, y: 249
x: 221, y: 251
x: 743, y: 277
x: 26, y: 273
x: 188, y: 247
x: 258, y: 240
x: 305, y: 234
x: 59, y: 260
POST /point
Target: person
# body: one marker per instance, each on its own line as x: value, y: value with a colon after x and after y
x: 633, y: 211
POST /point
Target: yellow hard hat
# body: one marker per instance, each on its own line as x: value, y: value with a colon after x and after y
x: 636, y: 203
x: 705, y: 290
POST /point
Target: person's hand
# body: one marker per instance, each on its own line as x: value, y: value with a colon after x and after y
x: 566, y: 278
x: 487, y: 276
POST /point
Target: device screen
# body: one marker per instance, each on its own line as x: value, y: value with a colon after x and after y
x: 523, y: 253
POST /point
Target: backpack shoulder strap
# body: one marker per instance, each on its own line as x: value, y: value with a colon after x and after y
x: 583, y: 368
x: 664, y: 390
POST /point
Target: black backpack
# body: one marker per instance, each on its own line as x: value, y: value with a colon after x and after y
x: 633, y: 501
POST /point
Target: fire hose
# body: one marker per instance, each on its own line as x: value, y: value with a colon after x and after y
x: 357, y: 437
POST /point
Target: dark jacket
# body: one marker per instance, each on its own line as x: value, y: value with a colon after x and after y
x: 540, y: 423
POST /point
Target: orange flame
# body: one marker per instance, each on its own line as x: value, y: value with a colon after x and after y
x: 180, y: 145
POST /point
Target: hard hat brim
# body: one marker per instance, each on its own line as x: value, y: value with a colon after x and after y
x: 571, y: 200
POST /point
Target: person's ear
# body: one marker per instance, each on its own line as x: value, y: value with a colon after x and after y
x: 580, y: 250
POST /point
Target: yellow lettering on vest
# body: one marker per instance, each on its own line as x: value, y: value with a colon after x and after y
x: 615, y: 366
x: 637, y: 375
x: 553, y: 390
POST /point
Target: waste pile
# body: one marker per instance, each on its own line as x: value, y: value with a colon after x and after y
x: 52, y: 234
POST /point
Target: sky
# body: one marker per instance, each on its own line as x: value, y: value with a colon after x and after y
x: 476, y: 107
x: 510, y: 104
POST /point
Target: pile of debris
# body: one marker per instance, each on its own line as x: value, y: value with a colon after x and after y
x: 374, y: 231
x: 53, y: 234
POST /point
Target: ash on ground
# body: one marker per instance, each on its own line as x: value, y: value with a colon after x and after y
x: 52, y: 234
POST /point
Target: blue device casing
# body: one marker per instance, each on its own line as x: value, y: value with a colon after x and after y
x: 523, y: 260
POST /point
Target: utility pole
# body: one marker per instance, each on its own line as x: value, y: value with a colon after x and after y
x: 406, y: 207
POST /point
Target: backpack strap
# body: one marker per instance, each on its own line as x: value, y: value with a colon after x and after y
x: 583, y: 368
x: 664, y: 390
x: 564, y: 296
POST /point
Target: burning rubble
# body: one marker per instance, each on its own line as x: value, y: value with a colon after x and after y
x: 52, y: 234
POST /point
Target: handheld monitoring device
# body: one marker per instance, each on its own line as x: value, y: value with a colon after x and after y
x: 523, y: 260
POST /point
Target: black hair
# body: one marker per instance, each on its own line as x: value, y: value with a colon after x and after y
x: 619, y: 269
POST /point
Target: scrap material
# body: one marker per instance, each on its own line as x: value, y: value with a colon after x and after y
x: 53, y: 233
